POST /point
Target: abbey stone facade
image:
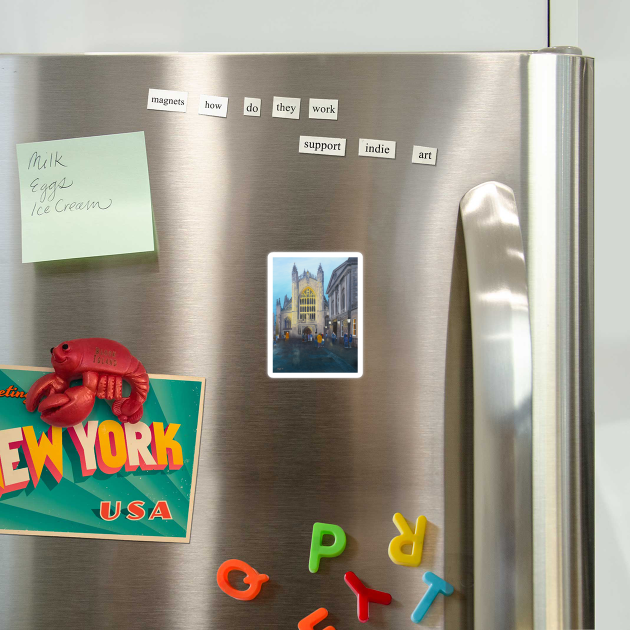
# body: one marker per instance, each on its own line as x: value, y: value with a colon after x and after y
x: 307, y: 310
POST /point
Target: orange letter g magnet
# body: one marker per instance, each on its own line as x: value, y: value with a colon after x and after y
x: 252, y: 577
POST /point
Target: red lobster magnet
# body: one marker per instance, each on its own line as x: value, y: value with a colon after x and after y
x: 103, y: 364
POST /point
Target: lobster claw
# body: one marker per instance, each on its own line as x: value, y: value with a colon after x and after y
x: 43, y: 386
x: 68, y: 408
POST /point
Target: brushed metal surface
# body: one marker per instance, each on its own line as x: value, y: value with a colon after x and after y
x: 502, y: 368
x: 275, y: 455
x: 559, y: 254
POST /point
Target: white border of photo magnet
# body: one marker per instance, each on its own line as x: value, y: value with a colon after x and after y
x: 269, y: 306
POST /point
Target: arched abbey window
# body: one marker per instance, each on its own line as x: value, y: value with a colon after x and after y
x: 343, y: 299
x: 307, y: 305
x: 287, y: 322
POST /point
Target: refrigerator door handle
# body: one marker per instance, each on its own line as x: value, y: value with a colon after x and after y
x: 502, y: 373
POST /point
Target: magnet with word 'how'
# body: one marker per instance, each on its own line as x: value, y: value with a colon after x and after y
x: 252, y: 577
x: 365, y: 595
x: 319, y: 550
x: 407, y: 537
x: 436, y: 586
x: 309, y: 623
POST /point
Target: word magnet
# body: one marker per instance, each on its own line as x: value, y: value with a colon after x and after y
x: 213, y: 106
x: 251, y: 106
x: 365, y: 596
x: 377, y: 148
x: 436, y: 586
x: 252, y: 577
x: 424, y: 155
x: 167, y: 100
x: 285, y: 107
x: 323, y: 108
x: 309, y: 623
x: 322, y: 146
x: 319, y: 551
x: 407, y: 537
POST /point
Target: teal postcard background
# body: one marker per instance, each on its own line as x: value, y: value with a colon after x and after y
x: 72, y: 505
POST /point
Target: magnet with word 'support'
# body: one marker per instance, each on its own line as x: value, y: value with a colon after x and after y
x: 309, y: 623
x: 252, y: 577
x: 407, y: 537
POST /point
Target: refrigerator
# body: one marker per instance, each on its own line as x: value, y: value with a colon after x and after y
x: 470, y: 401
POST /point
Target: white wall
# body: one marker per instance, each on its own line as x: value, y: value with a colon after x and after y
x: 604, y: 27
x: 262, y: 25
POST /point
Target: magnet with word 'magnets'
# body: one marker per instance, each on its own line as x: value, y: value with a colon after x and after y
x: 319, y: 551
x: 407, y: 537
x: 252, y: 577
x: 309, y: 623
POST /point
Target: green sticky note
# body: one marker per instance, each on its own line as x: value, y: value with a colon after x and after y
x: 85, y: 197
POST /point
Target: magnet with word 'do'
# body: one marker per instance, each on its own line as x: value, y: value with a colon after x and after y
x: 252, y: 577
x: 407, y: 537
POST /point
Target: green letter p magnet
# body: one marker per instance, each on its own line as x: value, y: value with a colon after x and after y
x: 319, y: 551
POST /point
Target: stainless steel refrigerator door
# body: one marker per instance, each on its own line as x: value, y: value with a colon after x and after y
x: 278, y: 455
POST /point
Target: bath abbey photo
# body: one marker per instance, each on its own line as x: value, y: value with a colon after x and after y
x: 315, y: 322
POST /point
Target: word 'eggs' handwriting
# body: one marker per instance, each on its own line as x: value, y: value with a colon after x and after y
x: 48, y: 190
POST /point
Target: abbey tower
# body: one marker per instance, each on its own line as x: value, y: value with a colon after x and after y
x: 307, y: 310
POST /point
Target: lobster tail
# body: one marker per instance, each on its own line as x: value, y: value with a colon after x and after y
x: 130, y: 409
x: 139, y: 381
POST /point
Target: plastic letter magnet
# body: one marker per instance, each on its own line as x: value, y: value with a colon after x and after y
x: 436, y: 586
x: 252, y: 577
x: 319, y: 551
x: 365, y: 596
x: 407, y: 537
x: 308, y: 623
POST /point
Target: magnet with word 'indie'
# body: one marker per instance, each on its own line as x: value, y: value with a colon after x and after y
x: 436, y: 586
x: 102, y: 364
x: 309, y: 623
x: 365, y: 595
x: 407, y: 537
x: 252, y: 577
x: 319, y: 551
